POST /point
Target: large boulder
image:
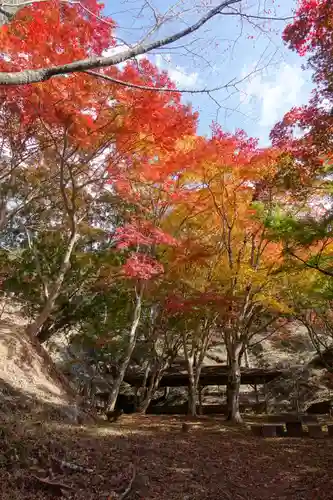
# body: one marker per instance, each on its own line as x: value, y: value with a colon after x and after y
x: 299, y: 388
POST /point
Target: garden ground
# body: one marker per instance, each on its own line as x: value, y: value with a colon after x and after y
x: 212, y: 461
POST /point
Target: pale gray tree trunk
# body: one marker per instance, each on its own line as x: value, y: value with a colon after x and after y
x: 234, y: 381
x: 192, y: 388
x: 132, y: 337
x: 54, y: 290
x: 194, y: 360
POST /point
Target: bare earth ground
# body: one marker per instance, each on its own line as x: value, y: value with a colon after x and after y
x: 212, y: 461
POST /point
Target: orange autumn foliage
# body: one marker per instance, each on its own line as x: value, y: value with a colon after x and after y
x: 222, y: 242
x: 131, y: 133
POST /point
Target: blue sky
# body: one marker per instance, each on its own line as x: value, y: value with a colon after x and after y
x: 251, y: 52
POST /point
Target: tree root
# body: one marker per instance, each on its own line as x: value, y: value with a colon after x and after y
x: 58, y: 465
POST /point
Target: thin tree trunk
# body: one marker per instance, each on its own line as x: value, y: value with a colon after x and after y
x: 130, y: 348
x: 194, y: 362
x: 256, y: 393
x: 141, y: 392
x: 200, y: 400
x: 266, y: 397
x: 149, y: 398
x: 192, y: 401
x: 246, y: 358
x: 189, y: 358
x: 152, y: 387
x: 154, y: 383
x: 192, y: 388
x: 234, y: 380
x: 145, y: 404
x: 35, y: 327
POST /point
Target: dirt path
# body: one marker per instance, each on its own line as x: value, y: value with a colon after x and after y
x: 211, y: 461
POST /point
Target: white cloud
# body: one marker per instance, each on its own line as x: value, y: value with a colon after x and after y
x: 112, y: 51
x: 278, y: 93
x: 178, y: 74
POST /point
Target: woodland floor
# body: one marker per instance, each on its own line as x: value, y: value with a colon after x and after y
x: 212, y: 461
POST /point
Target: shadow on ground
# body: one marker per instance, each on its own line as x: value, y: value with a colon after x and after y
x: 212, y: 461
x: 26, y: 365
x: 21, y: 406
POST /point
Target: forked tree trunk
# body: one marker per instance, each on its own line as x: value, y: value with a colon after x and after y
x: 128, y: 354
x: 233, y: 387
x: 194, y: 373
x: 145, y: 404
x: 194, y: 361
x: 153, y: 385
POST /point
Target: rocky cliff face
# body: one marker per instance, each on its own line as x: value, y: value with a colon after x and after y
x: 287, y: 347
x: 301, y: 386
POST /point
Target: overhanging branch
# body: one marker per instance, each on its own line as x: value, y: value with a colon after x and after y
x: 231, y: 83
x: 39, y: 75
x: 311, y: 266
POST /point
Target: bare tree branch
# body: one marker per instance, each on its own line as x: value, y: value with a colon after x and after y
x: 236, y: 12
x: 310, y: 266
x: 127, y: 491
x: 39, y: 75
x: 231, y: 83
